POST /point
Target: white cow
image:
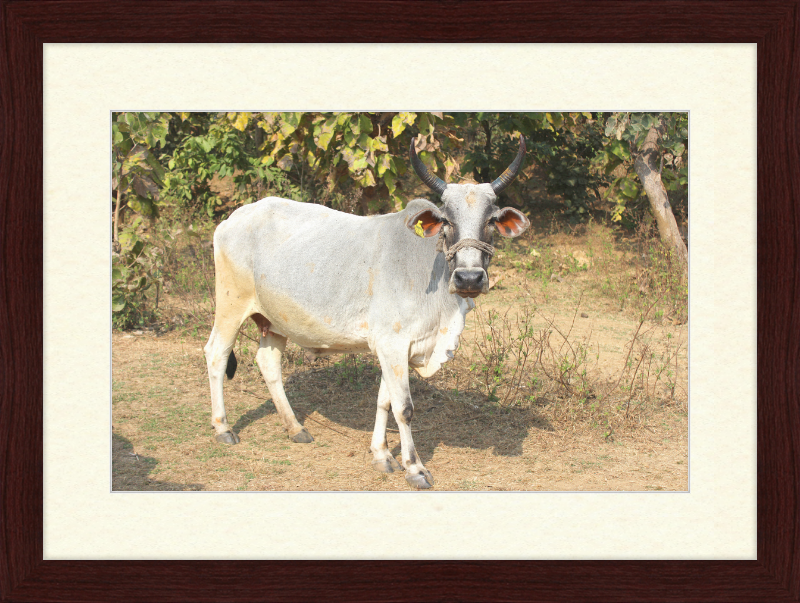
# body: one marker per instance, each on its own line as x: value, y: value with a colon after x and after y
x: 339, y: 283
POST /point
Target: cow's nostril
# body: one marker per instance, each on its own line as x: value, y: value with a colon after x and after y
x: 469, y: 279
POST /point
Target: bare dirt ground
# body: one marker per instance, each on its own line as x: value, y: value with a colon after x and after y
x: 466, y: 437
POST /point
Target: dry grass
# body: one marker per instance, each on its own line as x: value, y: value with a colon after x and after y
x: 572, y: 375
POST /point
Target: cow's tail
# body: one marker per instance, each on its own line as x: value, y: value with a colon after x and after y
x: 230, y: 370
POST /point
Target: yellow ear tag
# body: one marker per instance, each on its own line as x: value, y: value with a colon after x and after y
x: 418, y: 229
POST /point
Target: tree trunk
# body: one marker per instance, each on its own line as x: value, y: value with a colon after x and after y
x: 647, y: 168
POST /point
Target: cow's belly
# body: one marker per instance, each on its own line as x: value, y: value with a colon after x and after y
x: 333, y: 328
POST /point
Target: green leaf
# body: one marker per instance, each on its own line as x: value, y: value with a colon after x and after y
x: 118, y: 304
x: 287, y: 128
x: 157, y: 172
x: 355, y: 127
x: 629, y: 189
x: 292, y: 119
x: 365, y: 124
x: 364, y: 141
x: 425, y: 125
x: 611, y: 125
x: 449, y: 167
x: 555, y: 119
x: 398, y: 166
x: 360, y: 161
x: 620, y: 149
x: 401, y: 120
x: 389, y: 179
x: 383, y: 164
x: 368, y: 179
x: 241, y: 121
x: 397, y: 125
x: 160, y: 134
x: 125, y: 146
x: 324, y: 140
x: 429, y: 160
x: 138, y: 247
x: 379, y: 144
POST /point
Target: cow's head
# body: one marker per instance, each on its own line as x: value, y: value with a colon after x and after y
x: 466, y: 222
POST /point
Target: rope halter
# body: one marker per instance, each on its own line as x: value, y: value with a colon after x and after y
x: 450, y: 253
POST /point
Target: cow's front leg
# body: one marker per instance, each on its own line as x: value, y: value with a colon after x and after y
x: 394, y: 367
x: 383, y: 460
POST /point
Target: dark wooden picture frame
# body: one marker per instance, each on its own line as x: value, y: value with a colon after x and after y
x: 774, y: 25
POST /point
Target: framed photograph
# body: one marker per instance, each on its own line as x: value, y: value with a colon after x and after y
x: 67, y: 536
x: 568, y: 322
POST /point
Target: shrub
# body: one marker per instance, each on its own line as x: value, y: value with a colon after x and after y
x: 136, y: 279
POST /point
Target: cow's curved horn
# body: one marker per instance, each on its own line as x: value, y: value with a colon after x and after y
x: 432, y: 181
x: 511, y: 172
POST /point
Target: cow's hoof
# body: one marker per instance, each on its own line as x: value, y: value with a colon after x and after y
x: 228, y: 438
x: 420, y: 481
x: 388, y: 465
x: 302, y: 437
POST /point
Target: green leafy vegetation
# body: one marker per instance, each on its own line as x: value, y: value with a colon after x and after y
x: 176, y: 175
x: 625, y: 134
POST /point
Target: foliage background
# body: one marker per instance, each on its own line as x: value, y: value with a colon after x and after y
x: 180, y: 173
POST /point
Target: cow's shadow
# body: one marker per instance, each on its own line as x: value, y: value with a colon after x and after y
x: 464, y: 419
x: 133, y: 472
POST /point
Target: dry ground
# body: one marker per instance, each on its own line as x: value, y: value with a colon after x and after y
x: 536, y: 439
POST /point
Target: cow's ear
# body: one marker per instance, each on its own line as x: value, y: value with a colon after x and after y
x: 510, y: 222
x: 426, y: 223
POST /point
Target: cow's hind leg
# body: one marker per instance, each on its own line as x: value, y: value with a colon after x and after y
x: 218, y: 351
x: 394, y: 368
x: 383, y: 460
x: 271, y: 347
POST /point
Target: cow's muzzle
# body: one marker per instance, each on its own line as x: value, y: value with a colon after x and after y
x: 469, y: 282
